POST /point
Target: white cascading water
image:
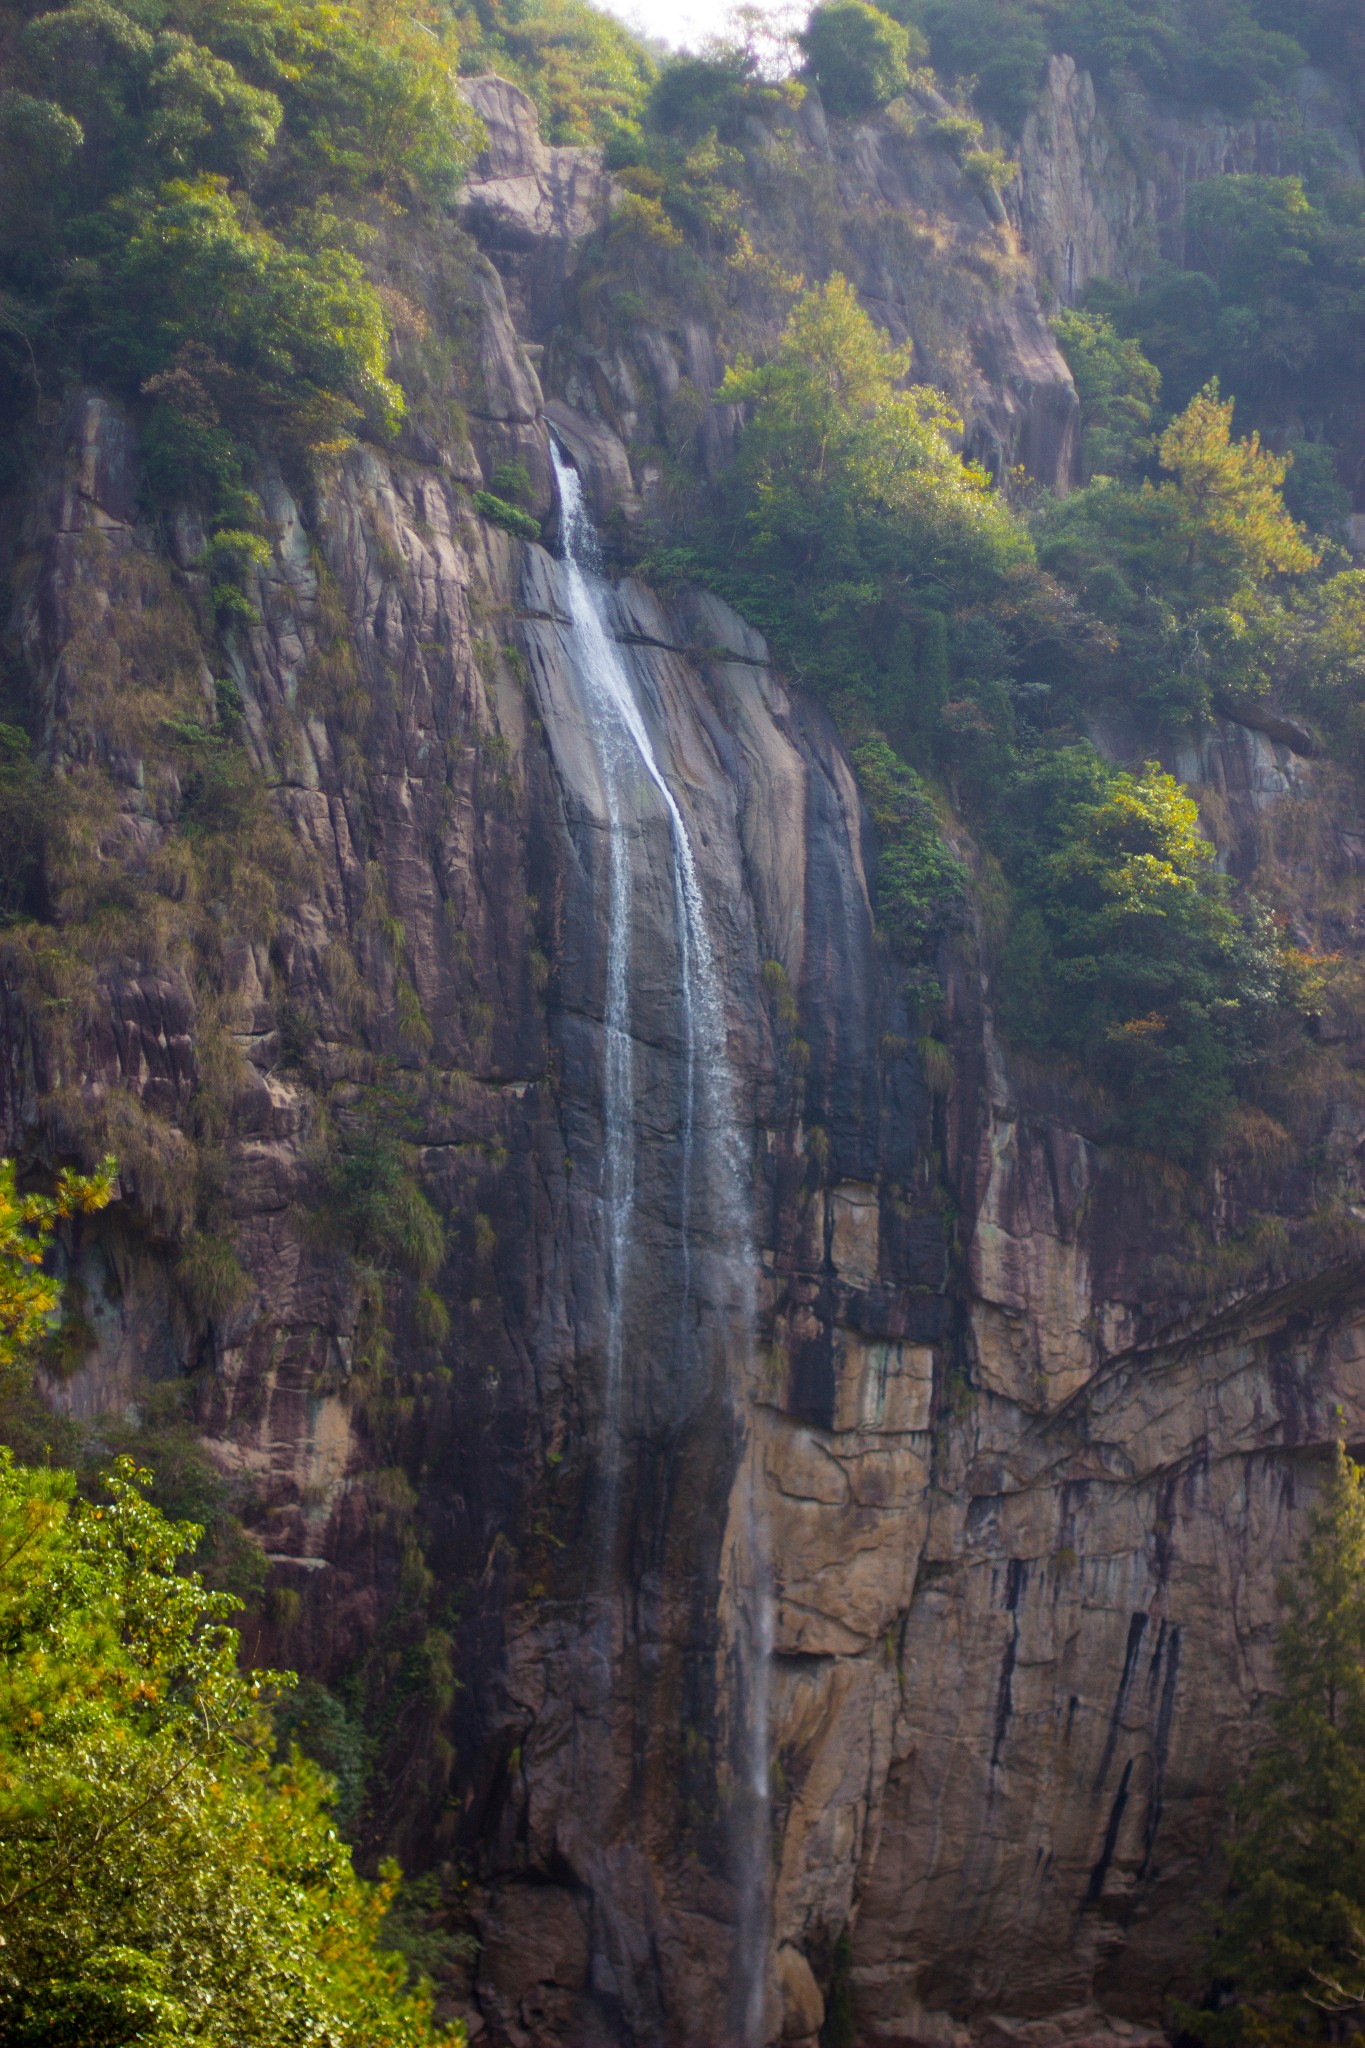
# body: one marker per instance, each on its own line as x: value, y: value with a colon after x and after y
x: 623, y: 746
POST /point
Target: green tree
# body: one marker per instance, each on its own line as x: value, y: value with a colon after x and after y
x: 1230, y: 515
x: 1191, y: 573
x: 1179, y: 49
x: 920, y: 884
x: 853, y: 483
x: 296, y: 336
x: 24, y: 806
x: 29, y: 1297
x: 161, y: 1880
x: 1289, y: 1947
x: 858, y: 56
x: 1118, y: 389
x: 1125, y: 954
x: 889, y: 574
x: 1001, y: 43
x: 184, y: 190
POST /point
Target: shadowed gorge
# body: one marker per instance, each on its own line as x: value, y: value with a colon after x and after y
x: 680, y: 784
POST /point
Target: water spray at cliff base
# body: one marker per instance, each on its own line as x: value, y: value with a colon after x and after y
x: 713, y: 1173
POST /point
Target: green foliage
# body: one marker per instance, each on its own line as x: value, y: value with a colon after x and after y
x: 1289, y: 1948
x: 1229, y: 517
x: 890, y: 577
x: 858, y: 56
x: 588, y: 75
x: 1319, y: 647
x: 853, y: 492
x: 1004, y: 47
x: 699, y: 95
x: 1331, y: 31
x: 1125, y: 955
x: 23, y: 822
x: 259, y: 331
x: 1272, y: 304
x: 1312, y: 493
x: 1233, y: 55
x: 320, y: 1724
x: 1118, y: 390
x: 371, y: 1190
x: 161, y: 1880
x: 1190, y: 573
x: 210, y: 1277
x: 921, y: 886
x: 199, y: 173
x: 990, y: 170
x: 511, y: 481
x: 29, y: 1297
x: 510, y: 517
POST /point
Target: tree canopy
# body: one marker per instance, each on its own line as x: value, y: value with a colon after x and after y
x: 182, y: 191
x: 29, y: 1296
x: 892, y: 576
x: 858, y: 56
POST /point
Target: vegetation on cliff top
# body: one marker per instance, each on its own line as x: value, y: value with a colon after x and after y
x: 978, y: 630
x: 588, y: 75
x: 894, y: 580
x: 186, y: 193
x: 1237, y: 55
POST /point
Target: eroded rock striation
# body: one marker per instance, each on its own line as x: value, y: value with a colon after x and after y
x: 1014, y: 1479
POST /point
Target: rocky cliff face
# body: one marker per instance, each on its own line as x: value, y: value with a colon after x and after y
x: 931, y: 256
x: 1009, y: 1487
x: 1103, y: 184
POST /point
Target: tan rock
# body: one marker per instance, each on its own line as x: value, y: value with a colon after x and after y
x: 803, y: 2008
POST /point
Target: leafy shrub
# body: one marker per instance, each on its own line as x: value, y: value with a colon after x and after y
x: 263, y: 330
x: 1118, y: 390
x: 370, y: 1189
x: 588, y: 75
x: 1125, y: 954
x: 510, y: 517
x: 210, y: 1277
x: 990, y: 170
x: 1002, y: 46
x: 698, y: 95
x: 853, y: 486
x: 1312, y: 493
x: 858, y: 56
x: 511, y: 481
x: 28, y: 1296
x: 921, y: 886
x: 24, y: 800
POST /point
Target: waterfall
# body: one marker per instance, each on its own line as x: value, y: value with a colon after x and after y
x: 710, y: 1139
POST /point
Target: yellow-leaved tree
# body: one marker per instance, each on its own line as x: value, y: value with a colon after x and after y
x: 29, y: 1297
x: 1226, y: 493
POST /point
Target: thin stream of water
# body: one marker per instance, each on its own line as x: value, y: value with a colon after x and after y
x: 707, y: 1124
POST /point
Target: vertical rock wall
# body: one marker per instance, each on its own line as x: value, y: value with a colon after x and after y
x: 1026, y: 1482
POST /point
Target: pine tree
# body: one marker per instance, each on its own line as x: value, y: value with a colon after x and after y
x: 1289, y: 1946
